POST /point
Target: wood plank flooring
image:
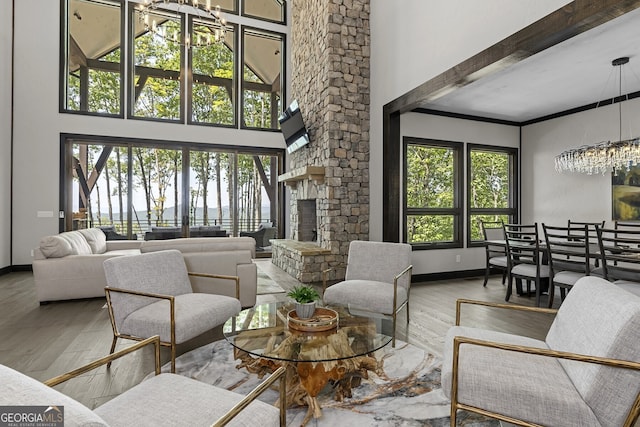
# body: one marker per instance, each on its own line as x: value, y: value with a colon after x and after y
x: 44, y: 341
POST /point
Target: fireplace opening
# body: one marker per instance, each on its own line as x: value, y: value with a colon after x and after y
x: 307, y: 221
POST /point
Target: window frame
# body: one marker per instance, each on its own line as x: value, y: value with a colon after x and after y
x: 131, y: 83
x: 456, y: 211
x: 63, y: 88
x: 234, y: 82
x: 283, y: 73
x: 283, y: 21
x: 127, y: 69
x: 512, y: 210
x: 67, y: 140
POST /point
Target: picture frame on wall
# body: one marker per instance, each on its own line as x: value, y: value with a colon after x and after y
x: 625, y: 194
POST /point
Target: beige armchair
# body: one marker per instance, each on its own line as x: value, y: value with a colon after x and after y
x: 150, y: 294
x: 164, y: 399
x: 586, y: 372
x: 378, y: 279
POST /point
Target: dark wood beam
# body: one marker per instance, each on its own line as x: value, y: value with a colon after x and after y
x: 569, y: 21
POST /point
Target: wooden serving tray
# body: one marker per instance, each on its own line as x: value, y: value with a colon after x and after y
x: 324, y: 319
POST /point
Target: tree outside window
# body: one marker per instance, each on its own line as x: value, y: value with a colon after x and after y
x: 490, y: 187
x: 432, y: 196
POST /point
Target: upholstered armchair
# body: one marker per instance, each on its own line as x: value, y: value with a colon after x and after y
x: 586, y: 372
x: 262, y: 235
x: 378, y: 279
x: 150, y: 294
x: 163, y: 399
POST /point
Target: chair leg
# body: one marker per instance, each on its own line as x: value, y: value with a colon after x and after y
x: 537, y: 282
x: 113, y: 347
x: 173, y: 357
x: 552, y: 291
x: 393, y: 340
x: 509, y: 288
x: 486, y: 276
x: 504, y: 276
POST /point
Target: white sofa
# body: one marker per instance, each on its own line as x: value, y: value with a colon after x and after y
x: 70, y: 265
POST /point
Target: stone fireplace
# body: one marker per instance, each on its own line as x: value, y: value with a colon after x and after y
x: 307, y: 226
x: 330, y: 81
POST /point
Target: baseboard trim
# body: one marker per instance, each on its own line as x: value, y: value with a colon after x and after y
x: 12, y: 268
x: 445, y: 275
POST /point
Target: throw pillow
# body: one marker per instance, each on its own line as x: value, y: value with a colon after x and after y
x: 77, y: 242
x: 96, y: 239
x: 55, y: 247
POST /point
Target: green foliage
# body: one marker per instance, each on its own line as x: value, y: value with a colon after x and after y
x: 431, y: 185
x: 303, y: 294
x: 430, y: 177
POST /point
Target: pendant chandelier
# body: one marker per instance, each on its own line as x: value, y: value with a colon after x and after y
x: 210, y: 30
x: 607, y: 155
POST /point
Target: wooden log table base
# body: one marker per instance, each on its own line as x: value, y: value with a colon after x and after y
x: 305, y: 379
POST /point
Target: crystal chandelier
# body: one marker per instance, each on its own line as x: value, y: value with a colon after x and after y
x: 604, y: 156
x: 208, y: 32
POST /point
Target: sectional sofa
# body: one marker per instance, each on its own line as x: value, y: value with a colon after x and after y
x: 69, y: 266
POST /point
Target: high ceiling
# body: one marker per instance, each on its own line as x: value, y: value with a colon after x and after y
x: 95, y: 28
x: 571, y: 74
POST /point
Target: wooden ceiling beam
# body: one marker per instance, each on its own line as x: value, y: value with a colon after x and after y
x: 569, y: 21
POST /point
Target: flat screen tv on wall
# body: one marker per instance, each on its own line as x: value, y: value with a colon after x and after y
x: 293, y: 129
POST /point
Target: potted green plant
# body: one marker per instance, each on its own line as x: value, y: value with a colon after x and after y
x: 305, y: 297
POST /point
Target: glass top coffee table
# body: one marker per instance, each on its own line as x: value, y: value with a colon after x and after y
x: 263, y: 340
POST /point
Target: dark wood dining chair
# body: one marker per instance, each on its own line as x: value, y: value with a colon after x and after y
x: 593, y: 235
x: 620, y: 256
x: 568, y: 253
x: 525, y: 258
x: 496, y: 254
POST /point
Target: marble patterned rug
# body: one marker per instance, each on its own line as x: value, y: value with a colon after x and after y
x: 410, y: 395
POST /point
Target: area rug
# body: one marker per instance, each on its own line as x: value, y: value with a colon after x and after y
x: 410, y: 395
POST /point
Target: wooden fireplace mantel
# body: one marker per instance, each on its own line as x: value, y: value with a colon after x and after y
x: 315, y: 173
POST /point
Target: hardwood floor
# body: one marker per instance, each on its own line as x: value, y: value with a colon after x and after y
x: 44, y: 341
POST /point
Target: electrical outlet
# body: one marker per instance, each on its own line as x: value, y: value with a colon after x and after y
x: 457, y: 258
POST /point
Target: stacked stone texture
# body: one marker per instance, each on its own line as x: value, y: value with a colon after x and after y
x: 330, y: 44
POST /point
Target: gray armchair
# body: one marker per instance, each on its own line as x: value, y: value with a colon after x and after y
x: 585, y: 373
x: 164, y: 399
x: 378, y: 279
x: 150, y: 294
x: 262, y: 235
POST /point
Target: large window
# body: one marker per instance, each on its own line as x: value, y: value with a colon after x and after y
x: 433, y: 214
x: 92, y: 67
x: 491, y: 185
x: 434, y: 186
x: 157, y: 61
x: 182, y: 67
x: 262, y: 80
x: 140, y: 190
x: 213, y: 93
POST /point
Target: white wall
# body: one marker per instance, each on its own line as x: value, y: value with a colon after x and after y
x: 415, y: 40
x: 6, y: 13
x: 38, y: 126
x: 553, y: 198
x: 467, y: 131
